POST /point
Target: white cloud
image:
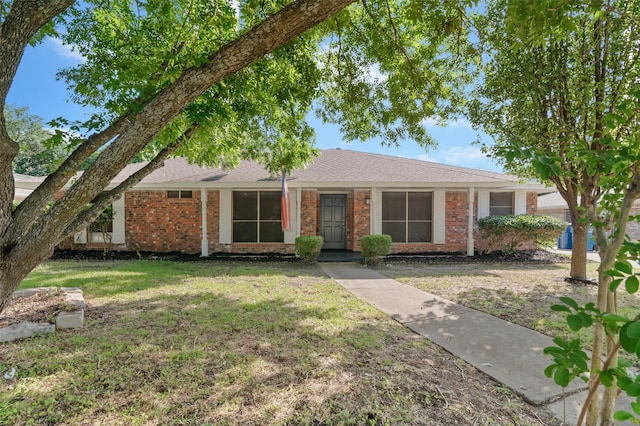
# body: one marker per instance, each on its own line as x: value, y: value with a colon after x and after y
x: 375, y: 75
x: 457, y: 123
x: 468, y: 156
x: 64, y: 50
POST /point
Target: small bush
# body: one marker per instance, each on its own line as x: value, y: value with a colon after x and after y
x: 374, y: 247
x: 308, y: 247
x: 506, y: 233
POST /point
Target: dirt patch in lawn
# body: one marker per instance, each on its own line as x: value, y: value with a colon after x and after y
x: 42, y: 307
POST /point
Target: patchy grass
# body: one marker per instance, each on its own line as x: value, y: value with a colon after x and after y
x: 236, y: 344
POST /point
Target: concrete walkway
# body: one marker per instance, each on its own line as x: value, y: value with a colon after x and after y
x: 509, y: 353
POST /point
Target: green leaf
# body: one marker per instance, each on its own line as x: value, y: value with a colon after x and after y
x: 553, y: 350
x: 634, y: 389
x: 613, y: 318
x: 624, y: 266
x: 634, y: 330
x: 632, y: 284
x: 562, y: 377
x: 606, y: 378
x: 575, y: 322
x: 627, y: 342
x: 558, y: 340
x: 560, y: 308
x: 613, y: 273
x: 621, y: 416
x: 615, y: 284
x: 569, y: 301
x: 624, y: 382
x: 579, y: 360
x: 548, y: 372
x: 586, y: 319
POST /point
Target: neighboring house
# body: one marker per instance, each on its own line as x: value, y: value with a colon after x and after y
x: 21, y: 193
x: 554, y: 205
x: 342, y: 196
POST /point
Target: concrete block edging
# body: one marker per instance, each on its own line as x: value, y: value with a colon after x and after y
x: 71, y: 317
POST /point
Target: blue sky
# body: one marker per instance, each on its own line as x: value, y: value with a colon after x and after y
x: 36, y: 87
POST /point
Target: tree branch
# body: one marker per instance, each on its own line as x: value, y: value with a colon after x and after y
x: 103, y: 200
x: 32, y: 207
x: 273, y: 32
x: 594, y: 384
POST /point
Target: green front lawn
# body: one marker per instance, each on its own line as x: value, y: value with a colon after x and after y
x: 235, y: 343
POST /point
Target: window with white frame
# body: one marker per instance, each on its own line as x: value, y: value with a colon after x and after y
x: 501, y: 203
x: 408, y: 216
x: 256, y: 217
x: 180, y: 194
x: 101, y: 229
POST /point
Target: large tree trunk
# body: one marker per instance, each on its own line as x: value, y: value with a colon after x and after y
x: 29, y: 233
x: 579, y: 251
x: 13, y: 271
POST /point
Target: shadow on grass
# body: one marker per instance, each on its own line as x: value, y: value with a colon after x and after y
x: 316, y: 356
x: 111, y: 278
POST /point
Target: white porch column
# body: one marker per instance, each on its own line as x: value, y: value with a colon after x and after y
x: 470, y: 243
x: 204, y: 250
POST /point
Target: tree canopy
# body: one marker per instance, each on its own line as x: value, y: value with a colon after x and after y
x: 217, y: 82
x: 560, y: 96
x: 36, y: 156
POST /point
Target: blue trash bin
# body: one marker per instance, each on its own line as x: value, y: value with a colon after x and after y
x: 591, y: 241
x: 566, y: 239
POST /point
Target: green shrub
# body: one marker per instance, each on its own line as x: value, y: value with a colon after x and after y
x: 505, y: 233
x: 308, y: 247
x: 374, y: 247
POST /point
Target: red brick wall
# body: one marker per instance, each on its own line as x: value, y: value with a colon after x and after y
x: 350, y: 220
x: 157, y: 223
x: 309, y: 207
x: 361, y: 218
x: 213, y: 221
x: 455, y: 228
x: 262, y: 248
x: 532, y: 203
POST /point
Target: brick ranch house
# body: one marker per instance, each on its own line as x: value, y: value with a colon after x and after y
x: 342, y: 196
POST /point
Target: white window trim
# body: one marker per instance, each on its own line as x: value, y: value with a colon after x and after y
x: 437, y: 213
x: 225, y: 220
x: 118, y: 234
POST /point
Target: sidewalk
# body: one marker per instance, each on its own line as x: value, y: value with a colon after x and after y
x: 509, y: 353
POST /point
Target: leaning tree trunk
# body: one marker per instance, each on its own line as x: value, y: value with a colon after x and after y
x: 29, y: 233
x: 13, y: 271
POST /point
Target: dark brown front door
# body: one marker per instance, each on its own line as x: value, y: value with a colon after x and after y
x: 333, y: 220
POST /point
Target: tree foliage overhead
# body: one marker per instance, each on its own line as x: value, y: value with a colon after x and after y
x: 378, y: 71
x: 217, y: 82
x: 549, y: 86
x: 36, y: 156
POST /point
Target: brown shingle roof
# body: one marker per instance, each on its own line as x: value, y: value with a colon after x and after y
x: 334, y: 165
x: 353, y: 166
